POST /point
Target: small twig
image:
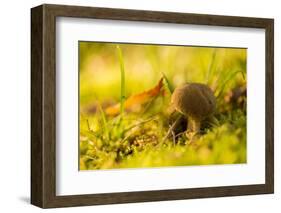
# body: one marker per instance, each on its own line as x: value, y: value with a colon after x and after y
x: 181, y: 133
x: 89, y: 157
x: 174, y: 138
x: 171, y: 129
x: 140, y: 123
x: 125, y: 138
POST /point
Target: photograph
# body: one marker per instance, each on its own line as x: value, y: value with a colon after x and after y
x: 134, y: 105
x: 157, y: 105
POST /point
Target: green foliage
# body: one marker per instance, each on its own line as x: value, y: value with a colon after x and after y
x: 135, y: 139
x: 141, y: 146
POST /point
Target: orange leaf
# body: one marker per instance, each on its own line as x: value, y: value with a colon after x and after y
x: 135, y: 101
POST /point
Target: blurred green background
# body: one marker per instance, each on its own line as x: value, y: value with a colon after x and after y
x: 106, y: 142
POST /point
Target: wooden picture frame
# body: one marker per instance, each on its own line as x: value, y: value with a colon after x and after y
x: 43, y: 105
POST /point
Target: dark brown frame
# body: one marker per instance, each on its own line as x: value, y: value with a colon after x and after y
x: 43, y: 105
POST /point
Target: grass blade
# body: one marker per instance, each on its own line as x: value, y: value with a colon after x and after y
x: 211, y: 67
x: 227, y: 79
x: 104, y: 122
x: 169, y: 85
x: 122, y: 72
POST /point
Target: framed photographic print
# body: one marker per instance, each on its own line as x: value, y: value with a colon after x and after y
x: 136, y: 106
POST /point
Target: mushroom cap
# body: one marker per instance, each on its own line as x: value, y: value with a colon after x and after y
x: 194, y: 100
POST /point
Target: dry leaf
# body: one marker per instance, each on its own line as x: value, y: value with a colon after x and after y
x: 134, y: 102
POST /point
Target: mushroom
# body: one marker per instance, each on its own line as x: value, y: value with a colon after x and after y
x: 196, y: 102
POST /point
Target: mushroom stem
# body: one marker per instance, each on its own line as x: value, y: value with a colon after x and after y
x: 193, y: 125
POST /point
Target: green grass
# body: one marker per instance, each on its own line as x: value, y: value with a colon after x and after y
x: 223, y: 144
x: 135, y: 139
x: 122, y: 74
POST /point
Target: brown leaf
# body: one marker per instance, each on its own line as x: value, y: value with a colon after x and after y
x: 135, y: 101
